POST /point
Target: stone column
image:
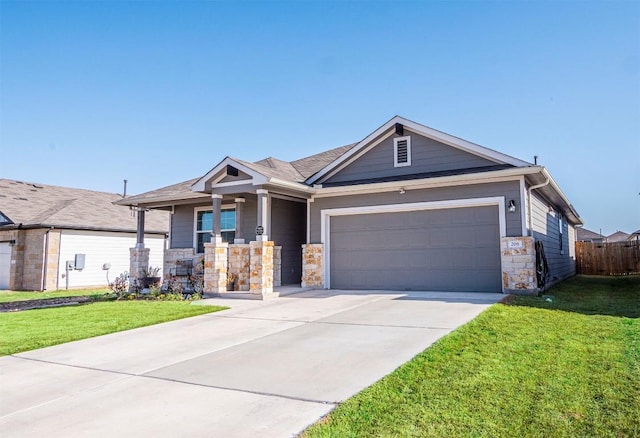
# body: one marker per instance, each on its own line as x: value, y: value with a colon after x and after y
x: 263, y: 214
x: 138, y: 261
x: 261, y: 268
x: 239, y: 220
x: 518, y: 258
x: 215, y: 267
x: 277, y: 266
x: 216, y: 203
x: 240, y: 264
x: 312, y: 265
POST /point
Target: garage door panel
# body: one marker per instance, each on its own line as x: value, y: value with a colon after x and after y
x: 453, y: 249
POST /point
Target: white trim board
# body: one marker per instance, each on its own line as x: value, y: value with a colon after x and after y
x: 326, y: 214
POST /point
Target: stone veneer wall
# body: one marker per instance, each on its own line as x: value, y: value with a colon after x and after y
x: 261, y: 265
x: 312, y: 269
x: 239, y: 264
x: 518, y: 265
x: 27, y: 258
x: 53, y: 255
x: 138, y: 261
x: 171, y: 256
x: 277, y: 266
x: 215, y: 267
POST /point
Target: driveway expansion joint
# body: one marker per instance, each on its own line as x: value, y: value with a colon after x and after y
x: 146, y: 375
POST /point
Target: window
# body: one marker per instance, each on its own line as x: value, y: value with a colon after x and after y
x: 204, y: 225
x: 401, y: 151
x: 560, y: 231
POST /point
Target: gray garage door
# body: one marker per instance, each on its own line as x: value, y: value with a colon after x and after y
x: 456, y: 249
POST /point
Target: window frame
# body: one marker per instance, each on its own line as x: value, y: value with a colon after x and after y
x: 561, y: 233
x: 397, y: 140
x: 196, y: 232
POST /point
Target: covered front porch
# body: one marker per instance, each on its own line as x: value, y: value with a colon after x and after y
x: 234, y: 233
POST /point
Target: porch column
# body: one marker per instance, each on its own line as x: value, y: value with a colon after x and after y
x: 239, y: 220
x: 263, y: 215
x: 216, y: 201
x: 140, y: 229
x: 139, y: 255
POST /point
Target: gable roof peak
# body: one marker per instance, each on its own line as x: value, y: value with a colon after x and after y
x: 386, y: 129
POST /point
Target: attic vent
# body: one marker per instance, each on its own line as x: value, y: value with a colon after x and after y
x: 402, y: 151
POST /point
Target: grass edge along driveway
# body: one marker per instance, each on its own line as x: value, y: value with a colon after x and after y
x: 8, y: 296
x: 31, y: 329
x: 570, y: 367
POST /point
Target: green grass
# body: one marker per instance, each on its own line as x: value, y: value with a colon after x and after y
x: 10, y: 296
x: 31, y: 329
x: 566, y: 368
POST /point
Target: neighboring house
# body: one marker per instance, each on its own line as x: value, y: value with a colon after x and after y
x: 584, y: 235
x: 618, y: 236
x: 43, y: 227
x: 406, y: 208
x: 634, y: 236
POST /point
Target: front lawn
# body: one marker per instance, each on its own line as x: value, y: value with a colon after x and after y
x: 7, y: 296
x: 569, y: 367
x: 31, y: 329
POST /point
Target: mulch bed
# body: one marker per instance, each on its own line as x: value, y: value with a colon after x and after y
x: 15, y: 306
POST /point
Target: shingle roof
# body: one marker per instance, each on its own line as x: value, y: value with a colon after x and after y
x: 309, y: 165
x: 584, y: 235
x: 33, y: 204
x: 295, y: 171
x: 272, y: 167
x: 618, y: 236
x: 181, y: 190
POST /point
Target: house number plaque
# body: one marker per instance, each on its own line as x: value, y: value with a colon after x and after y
x: 515, y: 244
x: 259, y: 230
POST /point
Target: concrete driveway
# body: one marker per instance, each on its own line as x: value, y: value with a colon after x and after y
x: 262, y: 368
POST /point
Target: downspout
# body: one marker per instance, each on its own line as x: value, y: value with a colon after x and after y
x: 45, y: 262
x: 532, y: 188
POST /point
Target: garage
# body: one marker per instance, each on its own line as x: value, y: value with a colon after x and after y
x: 5, y: 265
x: 439, y: 249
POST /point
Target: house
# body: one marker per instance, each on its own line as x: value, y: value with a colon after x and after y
x: 618, y: 236
x: 406, y: 208
x: 634, y: 236
x: 584, y: 235
x: 58, y: 237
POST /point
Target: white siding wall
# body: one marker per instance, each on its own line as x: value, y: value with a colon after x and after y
x: 102, y: 247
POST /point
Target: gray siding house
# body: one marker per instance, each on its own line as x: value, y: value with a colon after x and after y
x: 406, y: 208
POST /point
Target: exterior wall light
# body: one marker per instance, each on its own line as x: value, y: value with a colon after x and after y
x: 512, y: 206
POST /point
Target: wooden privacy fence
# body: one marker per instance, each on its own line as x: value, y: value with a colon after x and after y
x: 613, y: 258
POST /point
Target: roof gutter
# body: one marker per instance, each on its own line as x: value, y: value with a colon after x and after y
x: 68, y: 227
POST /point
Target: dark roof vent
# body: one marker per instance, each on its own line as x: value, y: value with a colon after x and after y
x: 232, y: 171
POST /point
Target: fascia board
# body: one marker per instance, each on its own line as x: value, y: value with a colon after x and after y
x: 464, y: 145
x: 454, y: 180
x: 291, y: 185
x: 558, y: 190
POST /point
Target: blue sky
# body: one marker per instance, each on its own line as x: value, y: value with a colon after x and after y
x: 157, y: 92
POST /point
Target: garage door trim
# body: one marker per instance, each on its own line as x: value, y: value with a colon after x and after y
x: 326, y: 214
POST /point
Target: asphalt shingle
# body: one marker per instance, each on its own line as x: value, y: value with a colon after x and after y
x: 32, y: 204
